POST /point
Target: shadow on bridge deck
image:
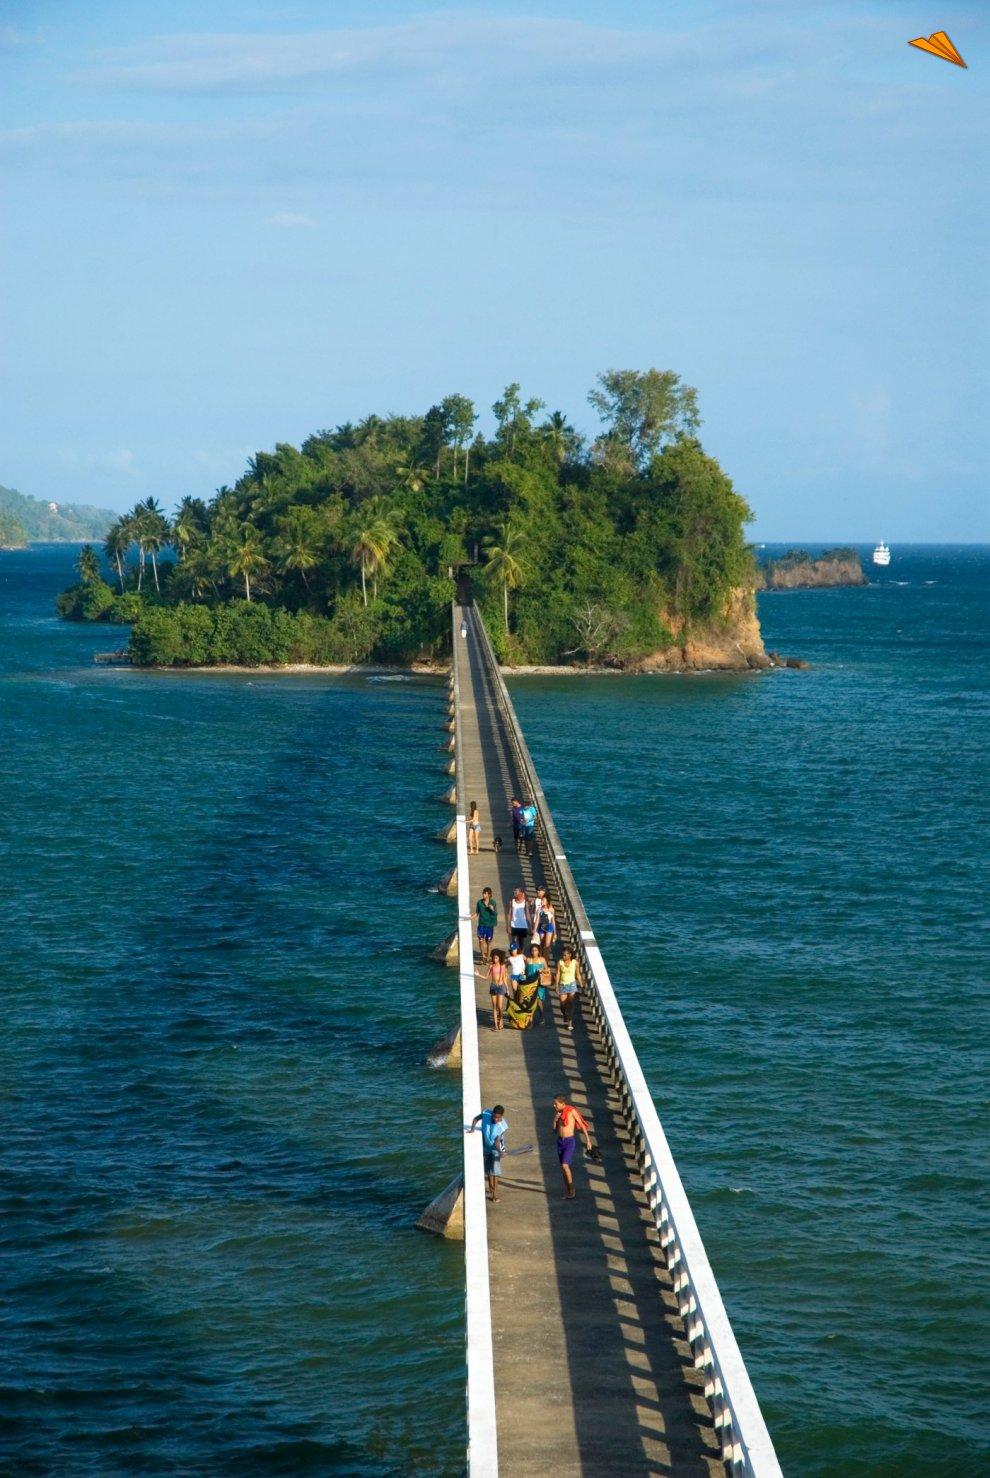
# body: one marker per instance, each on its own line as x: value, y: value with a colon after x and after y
x: 592, y: 1374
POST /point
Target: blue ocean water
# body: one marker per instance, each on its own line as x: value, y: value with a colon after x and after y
x: 788, y: 876
x: 217, y: 1123
x: 216, y: 1009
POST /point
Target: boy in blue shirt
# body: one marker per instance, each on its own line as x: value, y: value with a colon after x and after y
x: 527, y: 817
x: 516, y: 809
x: 494, y: 1126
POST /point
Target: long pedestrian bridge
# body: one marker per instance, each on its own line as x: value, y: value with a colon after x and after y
x: 597, y: 1340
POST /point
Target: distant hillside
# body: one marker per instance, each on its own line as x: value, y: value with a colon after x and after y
x: 69, y: 523
x: 12, y: 535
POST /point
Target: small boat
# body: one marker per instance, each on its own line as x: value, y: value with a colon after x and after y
x: 881, y: 555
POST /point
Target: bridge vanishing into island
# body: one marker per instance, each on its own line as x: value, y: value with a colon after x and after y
x: 597, y: 1340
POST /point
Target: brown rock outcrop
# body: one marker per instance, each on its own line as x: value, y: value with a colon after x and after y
x: 734, y: 644
x: 801, y: 571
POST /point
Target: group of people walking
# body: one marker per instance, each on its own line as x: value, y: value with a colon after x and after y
x: 520, y: 982
x: 519, y: 985
x: 523, y: 827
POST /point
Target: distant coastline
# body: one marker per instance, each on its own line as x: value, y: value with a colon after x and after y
x: 49, y: 522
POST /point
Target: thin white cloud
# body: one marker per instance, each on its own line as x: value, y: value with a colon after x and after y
x: 290, y: 220
x: 463, y: 50
x: 529, y: 111
x: 11, y: 39
x: 115, y: 463
x: 127, y: 131
x: 193, y: 62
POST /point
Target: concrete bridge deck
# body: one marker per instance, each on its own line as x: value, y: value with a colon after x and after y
x: 592, y: 1371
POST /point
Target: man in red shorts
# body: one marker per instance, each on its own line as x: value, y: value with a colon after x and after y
x: 567, y: 1123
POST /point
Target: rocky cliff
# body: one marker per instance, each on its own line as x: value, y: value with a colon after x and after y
x: 733, y: 644
x: 799, y: 570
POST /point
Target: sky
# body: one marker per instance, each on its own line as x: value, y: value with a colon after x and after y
x: 227, y: 225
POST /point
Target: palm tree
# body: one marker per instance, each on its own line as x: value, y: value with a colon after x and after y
x: 372, y: 540
x: 88, y: 565
x: 116, y: 544
x: 560, y: 436
x: 296, y: 546
x: 245, y: 556
x: 503, y: 564
x: 388, y: 540
x: 188, y: 524
x: 412, y: 475
x: 197, y: 573
x: 152, y: 533
x: 135, y: 521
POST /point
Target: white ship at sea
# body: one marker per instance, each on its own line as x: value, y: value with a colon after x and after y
x: 881, y: 555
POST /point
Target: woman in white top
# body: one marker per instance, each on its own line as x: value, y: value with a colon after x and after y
x: 517, y: 968
x: 517, y: 917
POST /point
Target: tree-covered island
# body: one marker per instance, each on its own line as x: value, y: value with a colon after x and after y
x: 799, y: 570
x: 628, y: 550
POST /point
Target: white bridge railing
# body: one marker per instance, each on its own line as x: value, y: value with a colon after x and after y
x: 746, y: 1444
x: 482, y: 1452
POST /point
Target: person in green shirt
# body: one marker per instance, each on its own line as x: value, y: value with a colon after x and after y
x: 487, y: 910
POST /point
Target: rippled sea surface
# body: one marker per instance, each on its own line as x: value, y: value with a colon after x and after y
x: 218, y: 1128
x: 788, y: 878
x: 217, y: 1124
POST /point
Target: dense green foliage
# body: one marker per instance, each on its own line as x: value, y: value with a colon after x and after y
x: 352, y: 546
x: 13, y: 534
x: 69, y: 523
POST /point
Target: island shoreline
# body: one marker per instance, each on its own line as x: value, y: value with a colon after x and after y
x: 302, y: 669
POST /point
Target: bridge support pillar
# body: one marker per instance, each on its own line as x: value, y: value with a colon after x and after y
x: 446, y: 952
x: 445, y: 1214
x: 446, y: 1052
x: 451, y: 768
x: 450, y: 796
x: 448, y: 883
x: 448, y: 834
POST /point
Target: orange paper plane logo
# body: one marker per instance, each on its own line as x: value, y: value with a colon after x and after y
x: 939, y: 44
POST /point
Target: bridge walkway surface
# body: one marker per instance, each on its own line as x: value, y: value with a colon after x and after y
x: 592, y: 1371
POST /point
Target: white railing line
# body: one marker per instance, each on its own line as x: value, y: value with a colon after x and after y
x: 482, y: 1454
x: 746, y: 1443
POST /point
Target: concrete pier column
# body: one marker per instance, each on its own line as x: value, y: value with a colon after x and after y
x: 446, y: 1052
x: 451, y: 744
x: 452, y: 767
x: 446, y: 952
x: 450, y: 796
x: 448, y: 834
x: 444, y: 1216
x: 448, y: 883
